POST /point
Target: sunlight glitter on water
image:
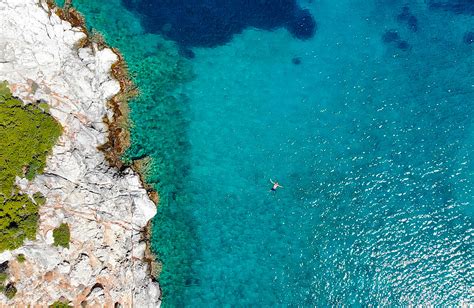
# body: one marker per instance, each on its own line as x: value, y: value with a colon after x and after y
x: 367, y: 125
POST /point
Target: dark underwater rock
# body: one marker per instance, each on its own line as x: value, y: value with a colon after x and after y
x: 390, y: 36
x: 302, y: 25
x: 406, y: 17
x: 187, y: 53
x: 468, y: 38
x: 403, y: 45
x: 296, y: 60
x: 412, y: 23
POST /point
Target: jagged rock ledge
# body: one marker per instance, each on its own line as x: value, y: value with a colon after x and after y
x: 45, y: 58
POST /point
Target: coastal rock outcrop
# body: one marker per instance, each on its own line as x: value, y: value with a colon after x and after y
x: 106, y: 209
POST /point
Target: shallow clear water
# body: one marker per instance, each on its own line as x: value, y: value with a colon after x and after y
x: 368, y: 125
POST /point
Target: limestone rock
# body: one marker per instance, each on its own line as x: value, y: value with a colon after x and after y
x: 105, y: 210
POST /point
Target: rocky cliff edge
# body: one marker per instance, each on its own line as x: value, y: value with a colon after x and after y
x: 105, y: 209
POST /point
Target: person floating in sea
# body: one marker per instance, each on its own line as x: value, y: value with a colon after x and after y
x: 275, y: 185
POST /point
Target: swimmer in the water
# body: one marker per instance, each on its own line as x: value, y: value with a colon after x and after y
x: 275, y: 185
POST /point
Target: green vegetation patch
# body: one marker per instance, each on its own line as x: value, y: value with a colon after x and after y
x: 59, y: 304
x: 21, y: 258
x: 10, y: 291
x: 62, y: 235
x: 27, y: 135
x: 3, y: 275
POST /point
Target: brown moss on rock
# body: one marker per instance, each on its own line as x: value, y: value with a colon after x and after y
x: 72, y: 16
x: 155, y: 266
x: 142, y: 167
x: 118, y: 139
x: 119, y: 133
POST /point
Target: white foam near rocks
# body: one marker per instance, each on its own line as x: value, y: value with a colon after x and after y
x: 106, y: 210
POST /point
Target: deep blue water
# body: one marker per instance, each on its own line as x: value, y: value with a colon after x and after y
x: 456, y: 6
x: 209, y: 23
x: 366, y: 120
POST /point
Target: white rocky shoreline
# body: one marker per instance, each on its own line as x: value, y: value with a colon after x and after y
x: 106, y: 210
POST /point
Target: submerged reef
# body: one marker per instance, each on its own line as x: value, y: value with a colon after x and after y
x: 468, y: 38
x: 296, y: 60
x: 406, y: 17
x: 211, y: 23
x: 27, y: 135
x: 392, y: 37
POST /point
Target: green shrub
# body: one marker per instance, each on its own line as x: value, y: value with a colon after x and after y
x: 10, y: 291
x: 21, y: 258
x: 18, y: 221
x: 27, y: 135
x: 44, y: 107
x: 62, y: 235
x: 39, y: 199
x: 3, y: 276
x: 4, y: 91
x: 59, y: 304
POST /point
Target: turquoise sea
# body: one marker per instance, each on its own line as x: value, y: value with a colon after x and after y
x: 361, y: 109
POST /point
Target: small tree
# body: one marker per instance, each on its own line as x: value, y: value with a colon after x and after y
x: 10, y: 291
x: 62, y: 235
x: 59, y: 304
x: 21, y: 258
